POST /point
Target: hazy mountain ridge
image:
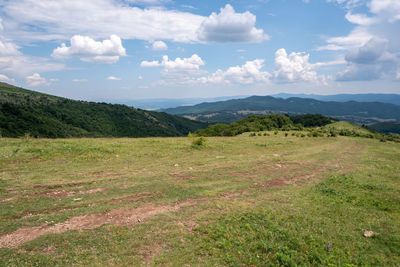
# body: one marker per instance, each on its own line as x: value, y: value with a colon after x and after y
x: 232, y: 110
x: 383, y: 98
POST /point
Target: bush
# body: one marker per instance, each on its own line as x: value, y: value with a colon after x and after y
x: 198, y: 142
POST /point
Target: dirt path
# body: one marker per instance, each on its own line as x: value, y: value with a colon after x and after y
x: 130, y: 217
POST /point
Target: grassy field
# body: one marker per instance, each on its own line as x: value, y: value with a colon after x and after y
x: 263, y: 200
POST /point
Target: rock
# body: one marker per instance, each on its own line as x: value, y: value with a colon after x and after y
x: 368, y: 233
x: 176, y: 165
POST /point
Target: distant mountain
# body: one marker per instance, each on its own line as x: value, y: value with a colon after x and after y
x: 386, y: 127
x: 23, y: 111
x: 163, y: 103
x: 384, y: 98
x: 232, y: 110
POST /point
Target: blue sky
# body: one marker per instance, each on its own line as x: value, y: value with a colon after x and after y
x: 133, y: 49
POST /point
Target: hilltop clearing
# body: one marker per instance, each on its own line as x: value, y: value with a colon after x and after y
x: 271, y: 200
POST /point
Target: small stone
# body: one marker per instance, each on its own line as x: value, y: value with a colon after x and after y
x: 139, y: 220
x: 77, y: 199
x: 368, y: 233
x: 176, y: 165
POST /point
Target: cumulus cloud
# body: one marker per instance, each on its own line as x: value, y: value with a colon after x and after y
x: 89, y: 50
x: 369, y: 62
x: 229, y: 26
x: 159, y: 45
x: 294, y: 67
x: 36, y: 80
x: 390, y: 9
x: 192, y: 63
x: 248, y: 73
x: 373, y: 46
x: 178, y: 71
x: 112, y: 78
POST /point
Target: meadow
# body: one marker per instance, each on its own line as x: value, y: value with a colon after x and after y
x: 271, y: 200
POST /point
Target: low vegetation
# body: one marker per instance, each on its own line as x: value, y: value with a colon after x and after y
x: 265, y: 123
x: 272, y: 199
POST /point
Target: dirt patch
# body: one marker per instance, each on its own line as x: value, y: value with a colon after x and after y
x: 62, y: 185
x: 135, y: 197
x: 126, y: 186
x: 8, y: 199
x: 183, y: 176
x: 293, y: 180
x: 64, y: 193
x: 130, y: 217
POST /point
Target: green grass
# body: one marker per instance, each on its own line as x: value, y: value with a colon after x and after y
x: 256, y: 201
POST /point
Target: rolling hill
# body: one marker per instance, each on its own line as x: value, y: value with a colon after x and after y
x: 384, y: 98
x: 23, y: 111
x: 233, y: 110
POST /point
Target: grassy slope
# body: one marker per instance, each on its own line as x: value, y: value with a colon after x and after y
x: 24, y: 111
x: 243, y: 212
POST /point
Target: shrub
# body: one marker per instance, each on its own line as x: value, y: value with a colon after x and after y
x: 198, y: 142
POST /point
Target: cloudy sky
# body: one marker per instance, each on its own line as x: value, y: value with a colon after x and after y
x: 131, y: 49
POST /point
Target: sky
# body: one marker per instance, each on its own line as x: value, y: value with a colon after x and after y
x: 141, y: 49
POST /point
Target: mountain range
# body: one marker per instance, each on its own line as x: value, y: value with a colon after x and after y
x: 232, y: 110
x: 384, y: 98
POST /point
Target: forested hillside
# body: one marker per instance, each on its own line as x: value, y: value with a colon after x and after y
x: 27, y: 112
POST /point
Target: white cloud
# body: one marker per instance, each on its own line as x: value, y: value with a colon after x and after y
x: 159, y: 46
x: 79, y: 80
x: 192, y: 63
x: 294, y: 67
x: 373, y: 46
x: 112, y: 78
x: 4, y: 78
x: 358, y: 37
x: 87, y: 49
x: 178, y: 71
x: 22, y: 65
x: 149, y: 64
x: 140, y: 77
x: 248, y: 73
x: 360, y: 19
x: 369, y: 62
x: 229, y: 26
x: 148, y: 2
x: 36, y: 80
x: 8, y: 49
x: 43, y: 20
x: 390, y: 9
